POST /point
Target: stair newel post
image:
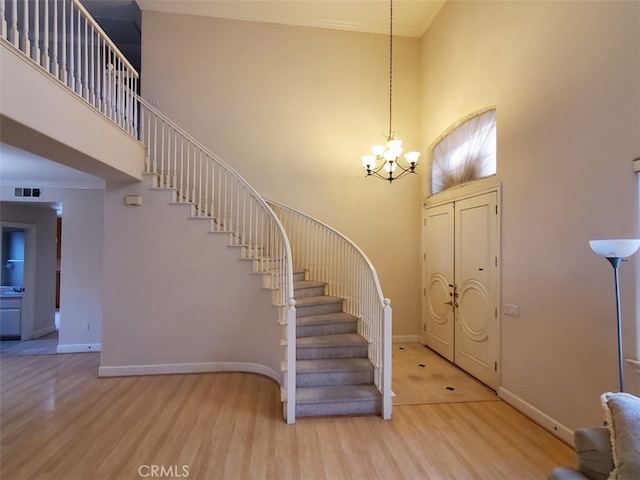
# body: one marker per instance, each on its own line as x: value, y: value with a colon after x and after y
x: 387, y: 402
x: 291, y: 361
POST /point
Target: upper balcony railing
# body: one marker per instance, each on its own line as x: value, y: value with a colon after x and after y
x: 65, y: 40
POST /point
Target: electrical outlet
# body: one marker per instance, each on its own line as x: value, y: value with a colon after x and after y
x: 85, y: 326
x: 512, y: 310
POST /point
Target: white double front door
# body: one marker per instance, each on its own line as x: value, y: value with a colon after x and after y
x: 461, y: 272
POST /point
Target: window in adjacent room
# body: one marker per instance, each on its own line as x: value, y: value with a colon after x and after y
x: 465, y: 153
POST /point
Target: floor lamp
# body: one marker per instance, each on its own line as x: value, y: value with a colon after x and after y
x: 615, y: 251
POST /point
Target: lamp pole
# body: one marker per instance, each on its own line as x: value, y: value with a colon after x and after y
x: 615, y: 251
x: 615, y: 263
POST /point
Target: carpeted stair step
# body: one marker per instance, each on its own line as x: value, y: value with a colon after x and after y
x: 318, y: 305
x: 334, y: 371
x: 308, y: 288
x: 327, y: 324
x: 345, y: 345
x: 299, y: 274
x: 337, y: 400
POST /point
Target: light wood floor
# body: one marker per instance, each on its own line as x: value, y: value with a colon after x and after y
x: 59, y: 421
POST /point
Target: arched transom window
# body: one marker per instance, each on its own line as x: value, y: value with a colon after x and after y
x: 466, y: 153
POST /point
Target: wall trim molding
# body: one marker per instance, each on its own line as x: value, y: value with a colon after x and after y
x: 79, y: 348
x: 183, y: 368
x: 635, y: 365
x: 545, y: 421
x: 44, y: 331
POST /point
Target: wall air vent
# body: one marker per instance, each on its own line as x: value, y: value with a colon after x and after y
x: 27, y: 192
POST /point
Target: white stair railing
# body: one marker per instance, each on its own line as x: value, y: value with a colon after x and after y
x: 61, y: 37
x: 65, y: 40
x: 330, y: 257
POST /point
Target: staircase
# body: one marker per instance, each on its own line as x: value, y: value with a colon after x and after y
x: 334, y: 375
x: 336, y: 335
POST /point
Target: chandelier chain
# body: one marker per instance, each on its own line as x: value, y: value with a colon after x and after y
x: 390, y: 65
x: 386, y: 157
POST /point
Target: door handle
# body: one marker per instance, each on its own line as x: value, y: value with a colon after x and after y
x: 449, y: 303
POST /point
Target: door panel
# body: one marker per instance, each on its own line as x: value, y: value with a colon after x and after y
x: 438, y: 323
x: 476, y: 278
x: 461, y: 284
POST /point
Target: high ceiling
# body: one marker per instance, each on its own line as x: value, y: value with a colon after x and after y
x: 410, y: 17
x: 121, y: 20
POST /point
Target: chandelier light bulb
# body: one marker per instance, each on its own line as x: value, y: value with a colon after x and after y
x: 378, y: 150
x: 389, y: 155
x: 390, y: 166
x: 395, y: 144
x: 412, y: 157
x: 368, y: 161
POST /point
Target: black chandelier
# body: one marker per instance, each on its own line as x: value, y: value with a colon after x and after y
x: 385, y: 158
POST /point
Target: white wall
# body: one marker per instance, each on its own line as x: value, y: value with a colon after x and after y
x: 176, y: 297
x: 293, y: 109
x: 81, y: 269
x: 564, y: 77
x: 81, y: 262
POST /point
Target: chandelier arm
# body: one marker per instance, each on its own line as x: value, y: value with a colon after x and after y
x: 376, y: 171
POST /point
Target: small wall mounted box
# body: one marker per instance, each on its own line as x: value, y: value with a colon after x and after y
x: 133, y: 200
x: 513, y: 310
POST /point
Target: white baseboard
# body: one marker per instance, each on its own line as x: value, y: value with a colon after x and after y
x: 407, y: 339
x: 44, y: 331
x: 541, y: 418
x: 79, y: 348
x: 181, y: 368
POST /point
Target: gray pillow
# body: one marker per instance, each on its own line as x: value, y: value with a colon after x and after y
x: 622, y: 412
x: 593, y: 448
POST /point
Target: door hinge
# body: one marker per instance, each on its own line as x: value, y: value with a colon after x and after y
x: 495, y: 314
x: 424, y: 291
x: 495, y: 261
x: 495, y: 366
x: 424, y: 257
x: 496, y: 209
x: 424, y: 327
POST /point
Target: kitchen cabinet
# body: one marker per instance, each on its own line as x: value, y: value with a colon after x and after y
x: 10, y: 317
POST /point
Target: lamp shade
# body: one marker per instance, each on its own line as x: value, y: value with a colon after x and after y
x: 615, y: 248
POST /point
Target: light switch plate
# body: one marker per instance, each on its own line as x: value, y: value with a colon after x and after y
x: 512, y: 310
